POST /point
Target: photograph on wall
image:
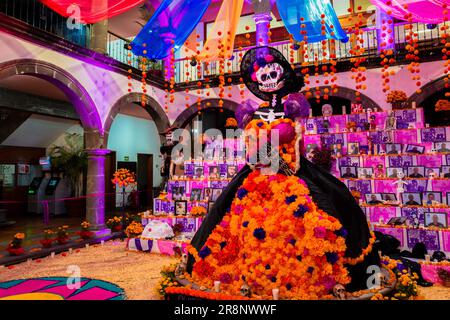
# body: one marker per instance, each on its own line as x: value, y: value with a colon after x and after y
x: 363, y: 149
x: 448, y: 199
x: 348, y: 172
x: 214, y: 172
x: 353, y: 148
x: 365, y: 173
x: 188, y: 225
x: 180, y: 208
x: 411, y: 199
x: 178, y: 193
x: 393, y: 148
x: 189, y: 168
x: 414, y: 149
x: 196, y: 194
x: 231, y: 171
x: 416, y: 172
x: 432, y: 172
x: 215, y: 194
x: 436, y: 220
x: 431, y: 198
x: 198, y: 171
x: 433, y: 135
x: 207, y: 193
x: 442, y: 147
x: 336, y: 149
x: 330, y: 139
x: 389, y: 198
x: 223, y: 169
x: 374, y: 198
x: 445, y: 171
x: 364, y: 186
x: 393, y: 172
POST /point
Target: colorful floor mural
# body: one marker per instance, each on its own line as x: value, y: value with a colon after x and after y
x: 60, y: 288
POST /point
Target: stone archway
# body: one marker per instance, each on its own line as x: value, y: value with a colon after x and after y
x: 77, y: 94
x: 152, y: 107
x: 427, y: 90
x: 90, y: 120
x: 350, y: 94
x: 187, y: 114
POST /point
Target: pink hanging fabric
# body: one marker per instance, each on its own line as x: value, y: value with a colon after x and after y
x: 90, y: 11
x: 424, y: 11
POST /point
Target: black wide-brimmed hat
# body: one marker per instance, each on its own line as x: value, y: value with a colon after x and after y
x: 259, y: 57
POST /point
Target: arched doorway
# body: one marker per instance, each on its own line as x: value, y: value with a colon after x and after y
x: 343, y: 97
x: 132, y: 132
x: 430, y: 94
x: 229, y: 107
x: 78, y: 98
x: 77, y: 94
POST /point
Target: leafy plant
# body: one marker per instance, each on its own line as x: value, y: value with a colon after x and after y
x: 71, y: 159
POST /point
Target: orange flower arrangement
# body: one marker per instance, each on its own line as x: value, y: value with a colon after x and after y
x: 274, y: 237
x: 442, y: 105
x: 231, y: 123
x: 124, y: 177
x: 198, y: 211
x: 396, y: 96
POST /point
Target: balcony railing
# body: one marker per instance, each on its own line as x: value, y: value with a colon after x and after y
x: 428, y: 36
x: 35, y: 14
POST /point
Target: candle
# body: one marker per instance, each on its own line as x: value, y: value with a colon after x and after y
x: 337, y: 128
x: 310, y: 112
x: 87, y: 245
x: 344, y: 111
x: 102, y: 242
x: 413, y: 104
x: 70, y: 250
x: 427, y: 258
x: 276, y: 294
x: 217, y: 286
x: 52, y: 255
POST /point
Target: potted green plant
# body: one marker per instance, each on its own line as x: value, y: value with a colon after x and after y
x: 71, y: 160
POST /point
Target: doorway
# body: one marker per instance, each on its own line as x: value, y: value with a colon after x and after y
x: 145, y: 180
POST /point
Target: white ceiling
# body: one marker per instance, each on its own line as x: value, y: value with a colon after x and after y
x: 33, y: 85
x: 40, y: 131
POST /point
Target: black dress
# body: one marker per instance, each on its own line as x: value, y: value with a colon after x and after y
x: 330, y: 195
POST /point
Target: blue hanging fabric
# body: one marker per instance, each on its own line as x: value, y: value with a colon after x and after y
x: 311, y: 10
x: 173, y: 20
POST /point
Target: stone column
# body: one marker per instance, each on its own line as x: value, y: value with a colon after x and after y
x: 99, y: 37
x: 262, y: 21
x: 385, y: 30
x: 95, y: 202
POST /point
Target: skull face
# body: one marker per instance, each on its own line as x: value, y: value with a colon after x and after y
x: 400, y: 175
x: 339, y: 292
x: 269, y: 77
x: 184, y: 258
x: 246, y: 291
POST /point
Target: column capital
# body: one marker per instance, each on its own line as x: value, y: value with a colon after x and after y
x: 97, y: 152
x: 263, y: 17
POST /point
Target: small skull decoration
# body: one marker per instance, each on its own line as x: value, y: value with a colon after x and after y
x: 246, y: 291
x: 432, y: 175
x: 181, y: 268
x: 270, y: 77
x: 339, y: 292
x: 433, y: 151
x: 382, y: 153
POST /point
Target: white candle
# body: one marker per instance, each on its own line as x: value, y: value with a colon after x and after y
x: 70, y: 250
x: 102, y: 242
x: 276, y: 294
x: 87, y: 245
x: 344, y: 110
x: 413, y: 104
x: 337, y: 128
x: 52, y: 255
x: 427, y: 258
x: 217, y: 286
x: 310, y: 112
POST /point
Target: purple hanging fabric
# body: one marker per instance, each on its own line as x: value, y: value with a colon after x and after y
x: 169, y: 27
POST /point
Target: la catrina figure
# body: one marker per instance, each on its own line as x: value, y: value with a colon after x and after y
x: 299, y: 230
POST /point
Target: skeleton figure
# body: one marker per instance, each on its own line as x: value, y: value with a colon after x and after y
x: 246, y: 291
x: 181, y: 268
x: 339, y: 292
x: 400, y: 183
x: 270, y: 115
x: 270, y: 77
x: 327, y: 110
